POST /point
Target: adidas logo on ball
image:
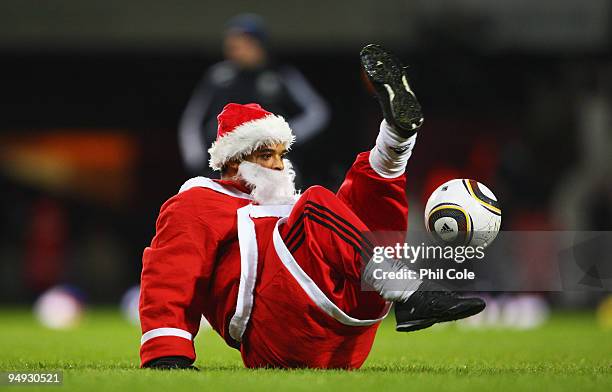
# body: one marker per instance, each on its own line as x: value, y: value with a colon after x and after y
x: 446, y: 228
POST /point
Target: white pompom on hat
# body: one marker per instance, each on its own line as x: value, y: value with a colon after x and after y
x: 244, y: 129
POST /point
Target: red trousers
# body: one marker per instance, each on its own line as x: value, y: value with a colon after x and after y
x: 324, y: 233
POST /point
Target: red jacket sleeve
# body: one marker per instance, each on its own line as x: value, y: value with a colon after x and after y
x: 175, y: 268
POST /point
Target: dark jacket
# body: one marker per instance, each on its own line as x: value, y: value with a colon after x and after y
x: 281, y: 90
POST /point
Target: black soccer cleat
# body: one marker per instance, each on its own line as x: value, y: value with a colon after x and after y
x: 432, y: 304
x: 171, y: 363
x: 388, y: 77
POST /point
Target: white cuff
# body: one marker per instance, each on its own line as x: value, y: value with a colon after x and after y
x: 158, y: 332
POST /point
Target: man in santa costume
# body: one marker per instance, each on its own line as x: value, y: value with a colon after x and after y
x: 279, y: 274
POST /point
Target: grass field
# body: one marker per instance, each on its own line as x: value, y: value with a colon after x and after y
x: 569, y: 353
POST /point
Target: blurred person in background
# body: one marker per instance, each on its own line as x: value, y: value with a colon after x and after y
x: 248, y: 74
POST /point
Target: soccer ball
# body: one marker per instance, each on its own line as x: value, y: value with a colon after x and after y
x: 129, y: 305
x: 59, y: 308
x: 463, y: 212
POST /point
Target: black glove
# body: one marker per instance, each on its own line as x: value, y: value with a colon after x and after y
x: 171, y: 363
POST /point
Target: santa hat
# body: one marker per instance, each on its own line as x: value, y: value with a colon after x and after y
x: 245, y: 128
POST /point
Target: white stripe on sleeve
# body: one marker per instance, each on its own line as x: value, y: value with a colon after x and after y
x: 158, y: 332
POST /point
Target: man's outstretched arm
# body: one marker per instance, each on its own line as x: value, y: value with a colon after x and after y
x: 315, y: 112
x: 192, y: 142
x: 175, y: 270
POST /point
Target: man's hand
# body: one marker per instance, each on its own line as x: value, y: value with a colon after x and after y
x: 168, y: 363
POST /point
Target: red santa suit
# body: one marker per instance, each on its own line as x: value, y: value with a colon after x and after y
x: 281, y: 283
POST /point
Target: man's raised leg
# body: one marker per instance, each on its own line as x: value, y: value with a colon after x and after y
x: 375, y: 190
x: 327, y: 240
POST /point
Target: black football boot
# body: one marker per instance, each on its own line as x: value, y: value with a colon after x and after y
x: 432, y: 304
x: 169, y: 363
x: 388, y: 77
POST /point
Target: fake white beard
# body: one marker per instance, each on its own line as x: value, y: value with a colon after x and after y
x: 269, y: 186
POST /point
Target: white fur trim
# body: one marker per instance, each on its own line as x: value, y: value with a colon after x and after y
x: 204, y: 182
x: 247, y: 240
x: 248, y: 137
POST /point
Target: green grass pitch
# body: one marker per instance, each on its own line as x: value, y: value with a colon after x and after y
x: 570, y: 353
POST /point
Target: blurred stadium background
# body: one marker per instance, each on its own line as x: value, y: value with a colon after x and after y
x: 517, y: 94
